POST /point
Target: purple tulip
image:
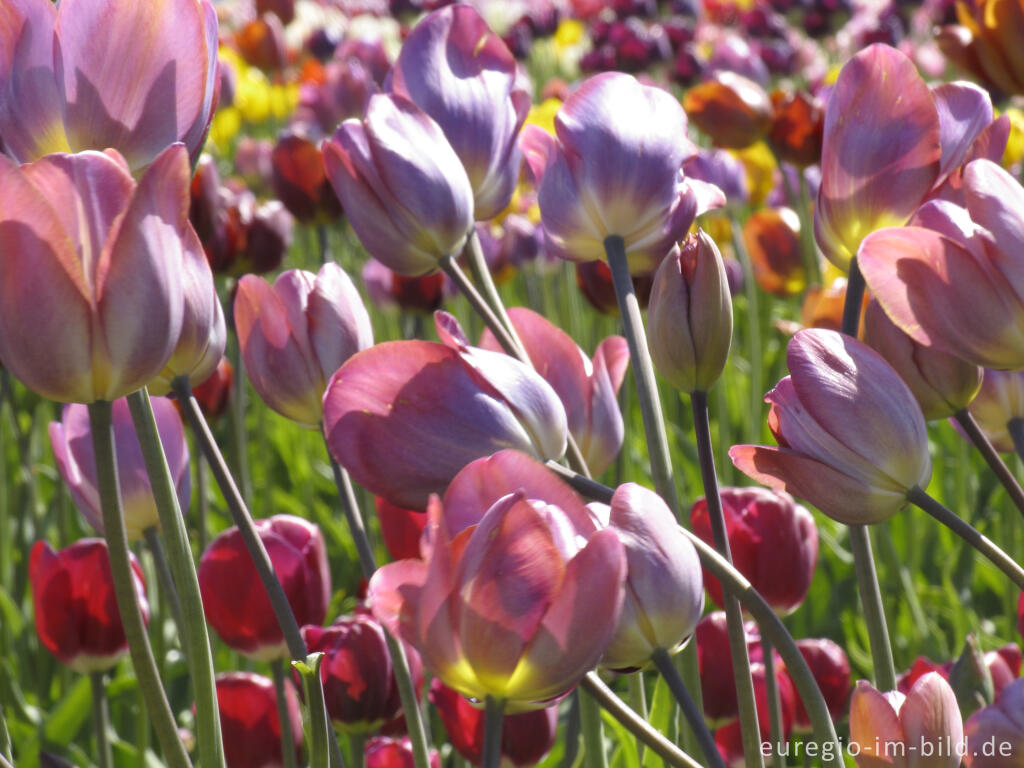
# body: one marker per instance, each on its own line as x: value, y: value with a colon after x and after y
x: 995, y: 734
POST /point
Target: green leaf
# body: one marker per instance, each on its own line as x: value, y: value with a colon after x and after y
x: 64, y: 723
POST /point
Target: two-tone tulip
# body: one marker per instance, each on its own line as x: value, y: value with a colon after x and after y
x: 295, y: 334
x: 404, y: 417
x: 519, y: 591
x: 852, y: 439
x: 250, y: 720
x: 91, y: 301
x: 733, y: 110
x: 71, y: 439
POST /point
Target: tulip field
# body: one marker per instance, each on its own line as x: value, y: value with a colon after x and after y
x: 563, y: 383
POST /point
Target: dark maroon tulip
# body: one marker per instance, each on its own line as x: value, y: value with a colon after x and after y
x: 401, y: 529
x: 261, y: 43
x: 729, y: 737
x: 75, y: 607
x: 774, y: 544
x: 525, y: 738
x: 594, y: 279
x: 234, y: 600
x: 831, y: 670
x: 283, y: 9
x: 300, y: 181
x: 798, y: 127
x: 386, y: 752
x: 249, y: 721
x: 717, y: 682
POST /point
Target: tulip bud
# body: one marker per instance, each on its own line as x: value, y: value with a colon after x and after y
x: 995, y: 734
x: 71, y: 439
x: 982, y: 44
x: 831, y: 670
x: 387, y: 752
x: 999, y: 401
x: 249, y: 720
x: 689, y: 320
x: 75, y: 607
x: 733, y: 110
x: 300, y: 181
x: 235, y: 601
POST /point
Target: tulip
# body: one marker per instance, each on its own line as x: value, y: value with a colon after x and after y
x: 724, y: 170
x: 852, y: 439
x: 404, y: 417
x: 942, y: 384
x: 831, y: 670
x: 615, y: 170
x: 387, y: 752
x: 401, y: 184
x: 343, y: 93
x: 300, y: 181
x: 385, y: 288
x: 774, y: 544
x: 587, y: 388
x: 214, y: 394
x: 958, y: 257
x: 922, y: 666
x: 234, y: 600
x: 91, y: 302
x: 733, y: 110
x: 689, y: 320
x: 261, y: 43
x: 296, y: 334
x: 454, y: 68
x: 250, y: 723
x: 920, y: 730
x: 664, y: 591
x: 525, y: 738
x: 359, y: 683
x: 513, y: 565
x: 995, y: 734
x: 400, y: 528
x: 797, y: 130
x: 98, y: 74
x: 823, y: 306
x: 772, y: 237
x: 717, y: 679
x: 71, y: 439
x: 999, y: 402
x: 984, y: 44
x: 75, y: 608
x: 729, y: 738
x: 594, y: 279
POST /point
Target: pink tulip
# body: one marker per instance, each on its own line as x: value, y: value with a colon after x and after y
x: 615, y: 169
x: 97, y: 74
x: 995, y: 734
x: 587, y: 388
x: 518, y: 592
x: 296, y: 334
x: 91, y: 301
x: 852, y: 439
x: 920, y: 730
x: 401, y: 184
x: 71, y: 438
x: 404, y: 417
x: 461, y: 74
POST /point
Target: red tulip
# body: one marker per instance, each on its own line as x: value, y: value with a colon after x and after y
x: 75, y: 607
x: 594, y: 279
x: 729, y: 738
x: 732, y: 110
x: 214, y: 394
x: 401, y: 529
x: 831, y: 670
x: 300, y: 181
x: 386, y: 752
x: 717, y: 680
x: 249, y: 720
x: 234, y: 600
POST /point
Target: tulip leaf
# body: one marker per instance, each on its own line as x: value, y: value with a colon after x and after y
x: 661, y: 718
x: 11, y: 614
x: 625, y: 755
x: 64, y: 722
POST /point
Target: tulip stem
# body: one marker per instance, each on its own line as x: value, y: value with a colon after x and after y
x: 638, y: 700
x: 745, y: 698
x: 770, y: 624
x: 124, y: 589
x: 476, y: 301
x: 482, y: 276
x: 5, y: 739
x: 1015, y: 426
x: 283, y: 717
x: 321, y: 241
x: 968, y: 533
x: 320, y: 754
x: 774, y: 705
x: 593, y: 732
x: 643, y: 373
x: 163, y: 576
x: 202, y: 502
x: 357, y: 749
x: 236, y: 420
x: 693, y: 715
x: 350, y: 508
x: 101, y: 720
x: 754, y: 351
x: 852, y: 302
x: 494, y: 714
x: 987, y: 450
x: 196, y: 640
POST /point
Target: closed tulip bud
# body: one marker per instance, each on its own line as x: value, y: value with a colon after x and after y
x: 75, y: 608
x: 250, y: 723
x: 71, y: 439
x: 852, y: 439
x: 831, y: 670
x: 296, y: 334
x: 401, y: 529
x: 733, y: 110
x: 91, y: 301
x: 300, y: 181
x: 774, y: 544
x: 388, y: 752
x: 525, y: 738
x: 995, y: 734
x: 401, y: 184
x: 999, y: 402
x: 235, y: 601
x: 920, y: 730
x: 689, y: 319
x: 664, y: 591
x: 942, y: 384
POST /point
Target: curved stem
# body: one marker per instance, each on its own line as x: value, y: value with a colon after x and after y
x: 124, y: 589
x: 5, y: 738
x: 771, y: 626
x: 693, y: 715
x: 593, y: 732
x: 163, y: 576
x: 1016, y: 429
x: 350, y: 508
x: 774, y: 705
x: 283, y: 716
x: 451, y: 268
x: 494, y: 713
x: 195, y: 638
x: 482, y: 276
x: 101, y: 720
x: 745, y: 699
x: 991, y: 456
x: 968, y: 533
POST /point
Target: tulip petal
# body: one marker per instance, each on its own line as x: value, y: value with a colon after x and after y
x: 337, y: 321
x: 996, y: 202
x: 392, y: 593
x: 965, y: 110
x: 601, y: 439
x: 875, y: 728
x: 538, y: 147
x: 931, y: 714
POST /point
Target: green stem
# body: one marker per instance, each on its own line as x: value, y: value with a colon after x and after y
x: 991, y: 456
x: 357, y: 749
x: 101, y: 720
x: 163, y: 576
x: 283, y: 716
x: 196, y: 640
x: 853, y: 300
x: 808, y: 246
x: 968, y: 533
x: 202, y: 502
x: 571, y: 734
x: 774, y: 705
x: 321, y: 240
x: 694, y: 717
x: 451, y: 268
x: 494, y: 713
x: 643, y: 373
x: 754, y: 352
x: 481, y: 273
x: 638, y: 700
x: 124, y: 589
x: 593, y: 732
x: 745, y: 698
x: 350, y: 508
x: 236, y: 419
x: 320, y: 754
